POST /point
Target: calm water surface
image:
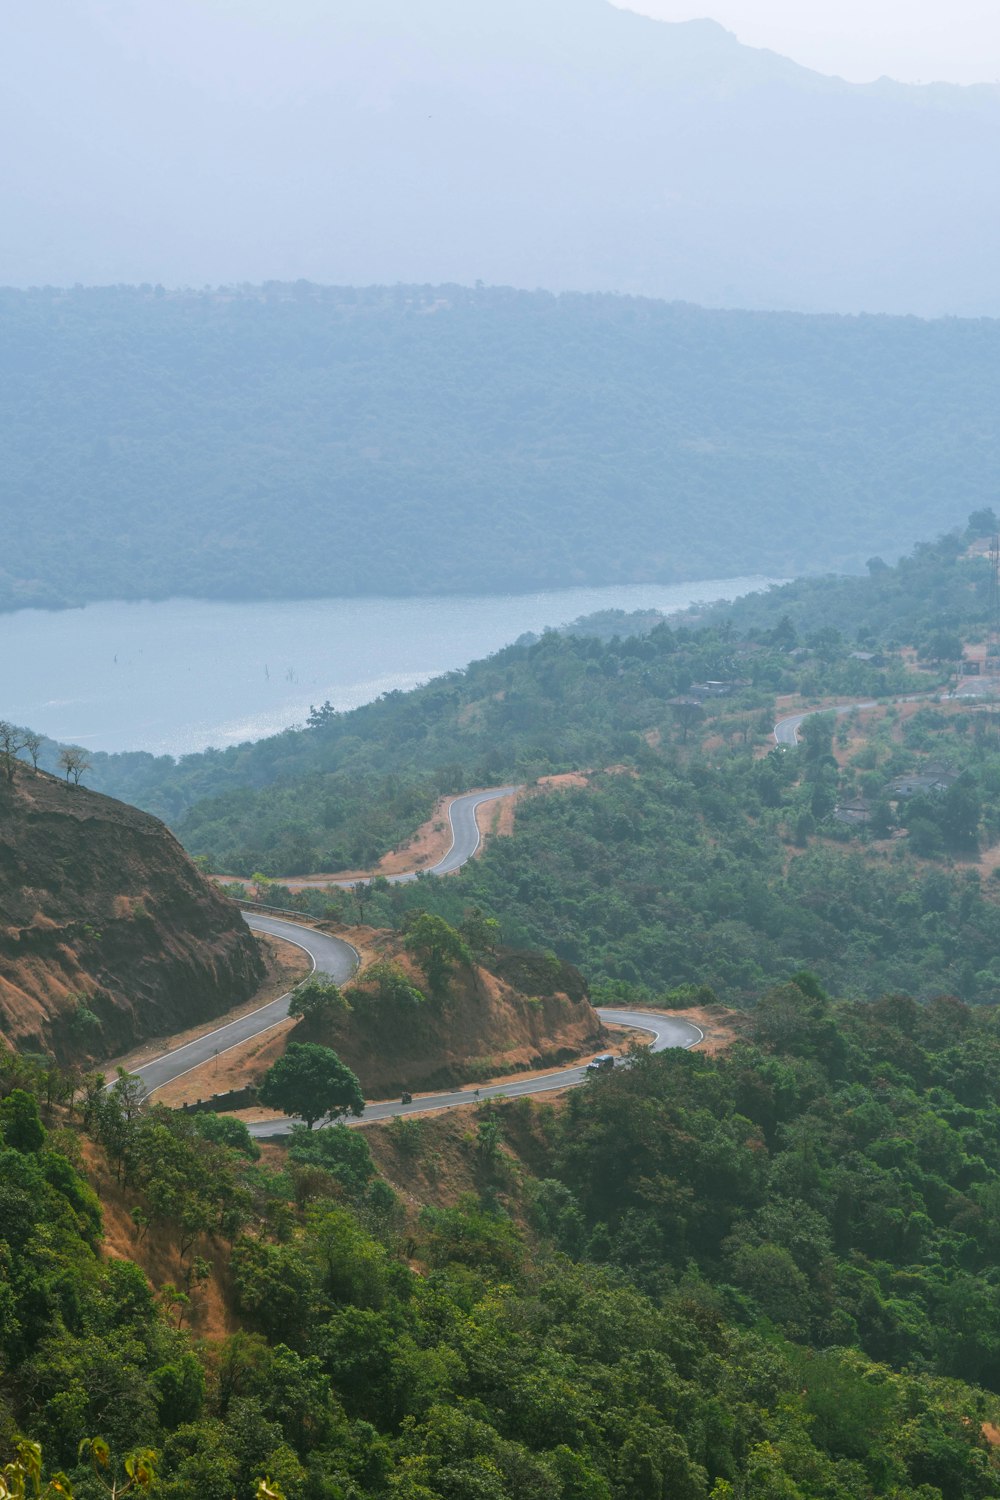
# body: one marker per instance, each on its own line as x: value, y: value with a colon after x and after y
x: 184, y: 674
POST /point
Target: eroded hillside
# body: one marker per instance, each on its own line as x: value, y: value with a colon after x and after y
x: 108, y: 932
x: 505, y: 1013
x: 497, y: 1015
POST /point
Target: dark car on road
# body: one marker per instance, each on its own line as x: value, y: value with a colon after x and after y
x: 602, y: 1064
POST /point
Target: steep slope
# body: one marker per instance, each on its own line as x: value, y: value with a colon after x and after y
x: 108, y: 932
x: 505, y: 1015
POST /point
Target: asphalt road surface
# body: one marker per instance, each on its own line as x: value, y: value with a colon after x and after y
x: 786, y: 731
x: 329, y: 954
x: 465, y: 840
x: 333, y: 956
x: 666, y: 1031
x: 465, y: 835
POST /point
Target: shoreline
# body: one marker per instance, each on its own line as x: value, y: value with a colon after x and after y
x: 178, y: 676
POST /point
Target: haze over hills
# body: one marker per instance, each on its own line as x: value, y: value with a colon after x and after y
x: 761, y: 1264
x: 297, y: 441
x: 556, y: 143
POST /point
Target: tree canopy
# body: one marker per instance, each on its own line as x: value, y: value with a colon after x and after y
x: 767, y: 1273
x: 311, y: 1082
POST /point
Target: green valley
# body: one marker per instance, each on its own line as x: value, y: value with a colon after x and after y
x: 705, y: 854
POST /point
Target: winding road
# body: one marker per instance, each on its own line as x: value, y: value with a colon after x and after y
x: 333, y: 956
x: 329, y: 955
x: 465, y: 840
x: 465, y: 835
x: 336, y: 957
x: 786, y: 731
x: 666, y: 1031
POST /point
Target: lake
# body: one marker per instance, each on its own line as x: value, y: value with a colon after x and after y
x: 179, y: 675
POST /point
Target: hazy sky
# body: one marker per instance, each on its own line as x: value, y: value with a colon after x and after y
x: 912, y: 40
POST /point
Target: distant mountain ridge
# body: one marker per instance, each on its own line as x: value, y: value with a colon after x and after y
x: 556, y: 143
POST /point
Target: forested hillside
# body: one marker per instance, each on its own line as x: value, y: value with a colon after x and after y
x: 767, y: 1276
x: 938, y: 588
x: 763, y: 1275
x: 109, y: 934
x: 298, y: 440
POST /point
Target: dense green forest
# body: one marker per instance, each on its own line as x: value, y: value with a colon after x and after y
x: 935, y: 587
x: 691, y: 878
x: 288, y: 441
x: 769, y: 1276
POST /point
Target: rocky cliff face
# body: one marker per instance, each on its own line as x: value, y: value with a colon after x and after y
x: 108, y: 933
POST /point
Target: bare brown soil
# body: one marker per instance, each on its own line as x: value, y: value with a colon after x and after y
x: 859, y: 729
x: 109, y: 934
x: 722, y: 1027
x: 434, y: 1164
x: 286, y: 966
x: 433, y: 1158
x: 564, y: 780
x: 432, y: 839
x: 429, y: 844
x: 234, y: 1069
x: 246, y: 1065
x: 484, y: 1027
x: 248, y: 1062
x: 861, y: 725
x: 496, y: 819
x: 210, y: 1315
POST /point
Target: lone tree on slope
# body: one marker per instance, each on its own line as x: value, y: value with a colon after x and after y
x: 11, y: 742
x: 319, y: 1000
x: 437, y: 948
x: 73, y: 760
x: 311, y: 1082
x: 33, y: 743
